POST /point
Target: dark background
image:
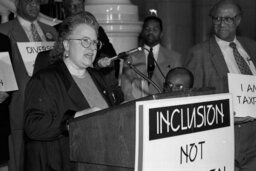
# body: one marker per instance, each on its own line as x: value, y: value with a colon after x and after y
x: 186, y: 22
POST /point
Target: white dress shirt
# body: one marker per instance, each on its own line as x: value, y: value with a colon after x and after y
x: 26, y: 25
x: 227, y: 52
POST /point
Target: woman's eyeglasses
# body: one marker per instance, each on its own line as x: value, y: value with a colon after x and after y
x: 87, y: 42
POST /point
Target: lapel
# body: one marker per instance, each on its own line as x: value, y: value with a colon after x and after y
x: 161, y: 62
x: 161, y: 57
x: 18, y: 33
x: 47, y: 33
x: 246, y: 46
x: 217, y: 58
x: 139, y: 61
x: 98, y: 81
x: 74, y: 92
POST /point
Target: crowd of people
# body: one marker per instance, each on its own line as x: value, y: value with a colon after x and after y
x: 77, y: 77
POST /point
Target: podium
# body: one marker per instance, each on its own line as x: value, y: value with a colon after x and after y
x: 105, y: 140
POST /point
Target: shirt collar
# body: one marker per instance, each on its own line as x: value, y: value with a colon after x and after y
x: 223, y: 43
x: 25, y: 22
x: 155, y: 48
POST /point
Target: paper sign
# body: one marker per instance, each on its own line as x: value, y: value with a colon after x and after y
x: 191, y: 133
x: 7, y: 78
x: 29, y: 51
x: 243, y: 89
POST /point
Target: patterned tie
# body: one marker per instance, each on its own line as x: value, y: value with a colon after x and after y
x: 35, y: 34
x: 151, y: 63
x: 242, y: 65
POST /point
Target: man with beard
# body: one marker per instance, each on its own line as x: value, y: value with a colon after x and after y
x: 24, y: 28
x: 154, y: 61
x: 224, y: 53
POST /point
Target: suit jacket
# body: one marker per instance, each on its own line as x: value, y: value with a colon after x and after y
x: 5, y: 46
x: 52, y: 98
x: 15, y: 32
x: 109, y: 84
x: 130, y: 80
x: 208, y: 65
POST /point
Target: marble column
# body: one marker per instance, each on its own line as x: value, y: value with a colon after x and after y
x: 4, y: 13
x: 119, y: 18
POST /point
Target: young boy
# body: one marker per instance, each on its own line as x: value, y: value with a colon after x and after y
x: 178, y: 79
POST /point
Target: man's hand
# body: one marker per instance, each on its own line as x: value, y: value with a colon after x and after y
x: 3, y: 96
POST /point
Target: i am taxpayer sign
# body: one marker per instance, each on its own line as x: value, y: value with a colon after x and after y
x: 192, y: 133
x: 243, y: 89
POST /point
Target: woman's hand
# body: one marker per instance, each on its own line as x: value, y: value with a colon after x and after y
x: 86, y: 111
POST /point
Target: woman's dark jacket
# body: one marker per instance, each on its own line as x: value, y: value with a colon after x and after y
x: 52, y: 98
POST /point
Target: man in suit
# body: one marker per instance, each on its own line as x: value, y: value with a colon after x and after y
x: 154, y: 61
x: 210, y: 62
x: 21, y: 29
x: 4, y: 111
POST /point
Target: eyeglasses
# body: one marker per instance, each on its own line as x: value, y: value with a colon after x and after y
x: 226, y: 20
x: 87, y: 42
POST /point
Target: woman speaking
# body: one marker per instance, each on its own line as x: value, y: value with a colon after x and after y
x: 68, y: 88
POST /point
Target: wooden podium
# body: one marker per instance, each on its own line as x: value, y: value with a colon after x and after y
x: 105, y: 140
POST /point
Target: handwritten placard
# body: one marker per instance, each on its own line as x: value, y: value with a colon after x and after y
x: 29, y: 51
x: 243, y: 89
x: 190, y: 133
x: 7, y: 78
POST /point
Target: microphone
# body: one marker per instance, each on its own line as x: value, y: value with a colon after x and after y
x: 129, y: 62
x: 123, y: 55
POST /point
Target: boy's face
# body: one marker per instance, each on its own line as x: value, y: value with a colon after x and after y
x: 176, y: 82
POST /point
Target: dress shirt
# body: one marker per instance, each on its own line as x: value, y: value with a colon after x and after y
x: 227, y: 52
x: 26, y: 25
x: 155, y: 52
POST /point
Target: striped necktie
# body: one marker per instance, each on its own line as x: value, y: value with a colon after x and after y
x: 241, y: 63
x: 35, y: 34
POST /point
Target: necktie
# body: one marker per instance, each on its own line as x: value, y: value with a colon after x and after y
x: 151, y: 63
x: 242, y: 65
x: 35, y: 34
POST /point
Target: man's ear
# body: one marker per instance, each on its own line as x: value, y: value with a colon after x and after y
x: 238, y: 20
x: 161, y: 35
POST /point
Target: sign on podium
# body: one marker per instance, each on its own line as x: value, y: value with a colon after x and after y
x: 192, y: 133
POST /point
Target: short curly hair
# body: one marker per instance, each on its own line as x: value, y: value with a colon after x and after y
x: 66, y: 28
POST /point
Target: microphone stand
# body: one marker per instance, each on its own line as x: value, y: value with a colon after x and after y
x: 129, y: 63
